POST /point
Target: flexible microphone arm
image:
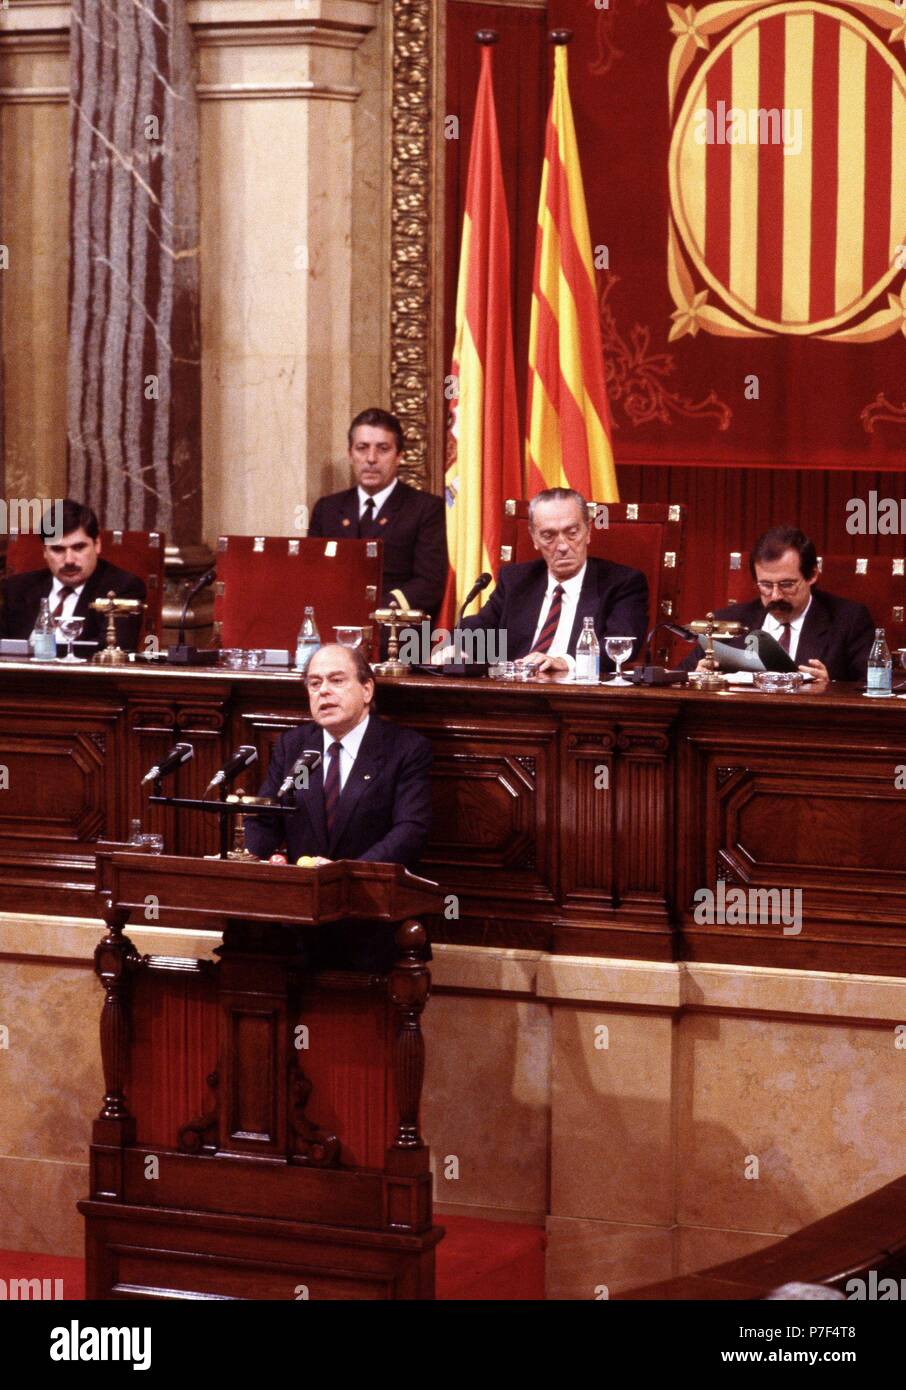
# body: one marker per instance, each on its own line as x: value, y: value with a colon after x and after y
x: 481, y: 583
x: 196, y: 588
x: 675, y: 628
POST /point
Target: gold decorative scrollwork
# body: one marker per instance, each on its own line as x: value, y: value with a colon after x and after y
x: 412, y: 234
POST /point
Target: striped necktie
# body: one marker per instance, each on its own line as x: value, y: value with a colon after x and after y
x: 332, y: 784
x: 65, y: 593
x: 551, y: 622
x: 367, y: 524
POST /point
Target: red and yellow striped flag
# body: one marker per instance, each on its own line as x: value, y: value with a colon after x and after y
x: 567, y: 414
x: 484, y: 451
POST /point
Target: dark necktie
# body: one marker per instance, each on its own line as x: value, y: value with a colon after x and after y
x: 367, y: 525
x: 551, y: 622
x: 785, y: 637
x: 332, y: 784
x: 64, y: 595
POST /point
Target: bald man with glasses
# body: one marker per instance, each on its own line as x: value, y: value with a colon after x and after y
x: 827, y: 636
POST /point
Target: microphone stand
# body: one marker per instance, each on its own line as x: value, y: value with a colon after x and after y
x: 182, y: 655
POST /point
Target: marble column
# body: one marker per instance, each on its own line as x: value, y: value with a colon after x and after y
x: 134, y: 379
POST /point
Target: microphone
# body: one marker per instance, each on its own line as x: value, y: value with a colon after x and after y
x: 481, y: 583
x: 660, y: 675
x: 309, y: 758
x: 676, y: 629
x: 247, y: 755
x: 181, y: 655
x: 180, y: 753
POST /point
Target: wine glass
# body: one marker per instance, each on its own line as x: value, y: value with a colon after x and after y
x: 901, y: 652
x: 618, y: 649
x: 70, y: 629
x: 349, y: 636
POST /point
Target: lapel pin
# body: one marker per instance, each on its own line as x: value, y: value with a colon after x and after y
x: 366, y: 777
x: 345, y: 520
x: 382, y: 521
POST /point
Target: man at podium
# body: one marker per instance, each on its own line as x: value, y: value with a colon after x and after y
x: 370, y: 797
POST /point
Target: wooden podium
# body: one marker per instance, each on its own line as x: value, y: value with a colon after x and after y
x: 259, y: 1136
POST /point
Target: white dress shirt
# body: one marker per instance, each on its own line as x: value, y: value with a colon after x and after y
x: 571, y: 590
x: 379, y: 498
x: 350, y: 744
x: 774, y: 628
x: 69, y: 607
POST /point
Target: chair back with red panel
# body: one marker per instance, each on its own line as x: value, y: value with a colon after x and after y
x: 264, y: 584
x: 139, y: 552
x: 647, y: 536
x: 878, y: 581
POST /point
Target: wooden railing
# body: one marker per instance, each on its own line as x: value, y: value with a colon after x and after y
x: 866, y: 1240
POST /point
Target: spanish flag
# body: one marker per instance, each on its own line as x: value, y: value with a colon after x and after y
x: 483, y: 441
x: 567, y: 414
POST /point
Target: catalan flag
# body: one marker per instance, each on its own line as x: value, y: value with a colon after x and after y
x: 483, y: 443
x: 567, y: 415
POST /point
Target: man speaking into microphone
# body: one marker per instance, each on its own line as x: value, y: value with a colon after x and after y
x: 369, y: 798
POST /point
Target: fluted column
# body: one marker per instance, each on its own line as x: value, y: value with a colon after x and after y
x: 134, y: 381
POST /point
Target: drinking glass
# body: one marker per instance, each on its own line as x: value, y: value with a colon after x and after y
x: 70, y: 629
x: 152, y: 843
x: 349, y: 636
x: 901, y: 653
x: 618, y: 649
x: 254, y: 659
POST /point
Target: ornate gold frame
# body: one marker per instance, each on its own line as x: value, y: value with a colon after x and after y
x: 416, y: 235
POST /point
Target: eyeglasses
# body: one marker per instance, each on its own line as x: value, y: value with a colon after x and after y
x: 786, y: 586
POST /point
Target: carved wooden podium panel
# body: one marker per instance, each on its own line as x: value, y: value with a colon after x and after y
x: 259, y: 1133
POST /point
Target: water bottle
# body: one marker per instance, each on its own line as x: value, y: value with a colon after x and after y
x: 880, y: 666
x: 588, y: 655
x: 42, y: 644
x: 308, y: 641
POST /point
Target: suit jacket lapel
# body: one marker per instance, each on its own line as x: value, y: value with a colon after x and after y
x: 311, y: 798
x: 587, y: 606
x: 364, y: 771
x: 814, y: 630
x: 391, y: 509
x: 524, y: 612
x: 349, y: 511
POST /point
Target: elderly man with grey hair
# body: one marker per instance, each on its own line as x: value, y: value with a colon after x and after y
x: 541, y: 604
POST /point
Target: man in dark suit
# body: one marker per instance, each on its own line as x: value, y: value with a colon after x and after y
x: 74, y: 577
x: 541, y: 604
x: 370, y: 799
x: 827, y: 636
x: 411, y: 524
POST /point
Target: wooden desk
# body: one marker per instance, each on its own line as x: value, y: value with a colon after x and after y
x: 581, y: 821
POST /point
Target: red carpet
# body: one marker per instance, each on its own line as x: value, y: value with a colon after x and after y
x: 478, y: 1260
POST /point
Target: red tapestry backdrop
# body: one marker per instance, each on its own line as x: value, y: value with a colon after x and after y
x: 669, y: 398
x: 749, y: 183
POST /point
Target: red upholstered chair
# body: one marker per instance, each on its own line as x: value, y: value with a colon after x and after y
x: 648, y: 536
x: 878, y: 581
x: 265, y: 582
x: 139, y: 552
